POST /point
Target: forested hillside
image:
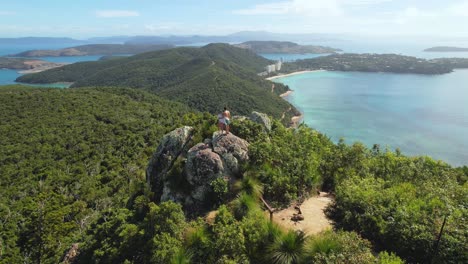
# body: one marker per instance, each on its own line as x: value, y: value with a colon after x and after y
x: 72, y: 168
x: 206, y: 78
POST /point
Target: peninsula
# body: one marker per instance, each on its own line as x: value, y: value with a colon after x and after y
x: 93, y: 49
x: 284, y: 47
x: 446, y: 49
x: 376, y: 63
x: 27, y: 65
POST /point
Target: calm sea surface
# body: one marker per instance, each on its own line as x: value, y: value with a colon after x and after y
x: 420, y: 114
x: 9, y: 76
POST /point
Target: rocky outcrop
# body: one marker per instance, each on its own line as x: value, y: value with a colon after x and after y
x: 172, y: 146
x: 261, y: 119
x: 188, y: 181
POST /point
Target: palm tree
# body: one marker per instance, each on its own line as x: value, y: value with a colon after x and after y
x: 288, y: 249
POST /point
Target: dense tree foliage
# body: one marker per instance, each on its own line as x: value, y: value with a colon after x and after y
x: 206, y: 79
x: 72, y: 168
x: 68, y: 155
x: 397, y: 202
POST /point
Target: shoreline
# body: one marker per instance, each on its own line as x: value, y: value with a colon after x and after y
x: 295, y: 120
x: 286, y: 94
x: 291, y: 74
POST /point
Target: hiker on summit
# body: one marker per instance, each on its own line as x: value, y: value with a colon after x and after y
x: 221, y: 122
x: 227, y: 119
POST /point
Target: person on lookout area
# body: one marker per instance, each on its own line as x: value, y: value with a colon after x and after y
x: 220, y: 122
x: 227, y: 119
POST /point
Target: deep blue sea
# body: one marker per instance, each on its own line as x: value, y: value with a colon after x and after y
x: 420, y: 114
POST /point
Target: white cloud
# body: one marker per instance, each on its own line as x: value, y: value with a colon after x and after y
x: 116, y: 13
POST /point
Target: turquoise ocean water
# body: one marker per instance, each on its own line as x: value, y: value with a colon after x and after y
x: 420, y: 114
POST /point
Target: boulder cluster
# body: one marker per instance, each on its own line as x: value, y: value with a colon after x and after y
x: 184, y: 175
x: 183, y: 171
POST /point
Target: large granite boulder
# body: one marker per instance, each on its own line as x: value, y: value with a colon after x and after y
x: 203, y: 165
x: 185, y: 176
x: 229, y: 143
x: 172, y: 146
x: 261, y: 119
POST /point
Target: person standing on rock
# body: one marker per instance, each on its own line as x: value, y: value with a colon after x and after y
x: 227, y: 119
x: 221, y: 122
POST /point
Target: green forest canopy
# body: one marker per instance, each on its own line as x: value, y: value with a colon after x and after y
x: 72, y: 171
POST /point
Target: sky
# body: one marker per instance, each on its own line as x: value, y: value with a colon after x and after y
x: 93, y: 18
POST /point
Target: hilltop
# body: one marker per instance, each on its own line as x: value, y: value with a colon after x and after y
x: 205, y: 79
x: 446, y: 49
x: 92, y: 49
x: 284, y: 47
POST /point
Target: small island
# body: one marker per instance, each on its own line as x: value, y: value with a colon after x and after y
x: 27, y: 65
x: 93, y: 49
x: 284, y: 47
x: 446, y: 49
x: 376, y: 63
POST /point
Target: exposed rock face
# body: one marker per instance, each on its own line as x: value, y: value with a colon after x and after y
x: 203, y: 165
x: 205, y: 162
x: 229, y: 143
x: 261, y: 119
x: 172, y: 145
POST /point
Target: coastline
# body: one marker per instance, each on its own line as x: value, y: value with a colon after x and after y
x: 295, y: 120
x: 291, y: 74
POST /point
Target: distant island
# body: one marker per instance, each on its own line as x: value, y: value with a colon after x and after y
x: 93, y: 49
x: 446, y: 49
x: 284, y: 47
x: 27, y: 65
x: 376, y: 63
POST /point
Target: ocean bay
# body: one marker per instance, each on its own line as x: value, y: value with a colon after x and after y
x: 420, y: 114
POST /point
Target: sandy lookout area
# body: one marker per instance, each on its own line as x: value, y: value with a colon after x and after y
x: 312, y: 209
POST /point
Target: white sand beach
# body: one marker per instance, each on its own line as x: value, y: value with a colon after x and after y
x: 291, y: 74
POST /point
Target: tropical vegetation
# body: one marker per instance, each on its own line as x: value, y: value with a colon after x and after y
x: 72, y: 166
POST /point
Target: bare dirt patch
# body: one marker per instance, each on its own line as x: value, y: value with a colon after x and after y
x: 312, y: 209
